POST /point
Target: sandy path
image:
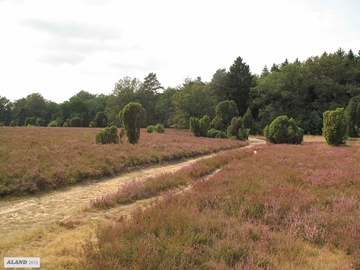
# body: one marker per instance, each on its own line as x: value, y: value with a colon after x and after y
x: 18, y: 214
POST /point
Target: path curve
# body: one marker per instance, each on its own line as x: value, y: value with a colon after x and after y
x: 16, y: 214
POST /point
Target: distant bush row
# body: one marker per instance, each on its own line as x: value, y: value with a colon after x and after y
x: 337, y: 124
x: 133, y: 116
x: 158, y: 128
x: 226, y: 124
x: 284, y: 130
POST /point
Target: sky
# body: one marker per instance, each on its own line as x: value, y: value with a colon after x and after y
x: 58, y: 48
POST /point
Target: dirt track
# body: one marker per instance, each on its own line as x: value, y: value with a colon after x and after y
x: 18, y: 214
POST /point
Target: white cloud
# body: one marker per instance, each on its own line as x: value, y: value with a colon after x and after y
x: 71, y: 29
x: 58, y: 48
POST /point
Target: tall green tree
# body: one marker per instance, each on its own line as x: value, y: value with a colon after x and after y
x: 148, y: 96
x: 123, y: 93
x: 163, y: 107
x: 19, y: 113
x: 5, y: 111
x: 233, y: 85
x: 193, y: 99
x: 75, y: 107
x: 218, y: 85
x: 239, y: 82
x: 35, y: 105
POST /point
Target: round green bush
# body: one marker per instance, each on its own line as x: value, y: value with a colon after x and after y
x: 150, y: 129
x: 107, y: 135
x: 159, y: 128
x: 284, y: 130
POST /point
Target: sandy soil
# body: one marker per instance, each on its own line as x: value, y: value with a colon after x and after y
x: 19, y: 213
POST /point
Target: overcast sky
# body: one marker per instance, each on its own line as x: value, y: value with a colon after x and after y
x: 58, y: 48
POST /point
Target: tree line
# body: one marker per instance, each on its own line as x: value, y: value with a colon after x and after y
x: 300, y: 90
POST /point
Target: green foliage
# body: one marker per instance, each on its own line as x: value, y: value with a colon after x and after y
x: 5, y: 110
x: 237, y: 130
x: 53, y: 124
x: 233, y: 129
x: 67, y: 123
x: 214, y: 133
x: 122, y: 133
x: 30, y: 121
x: 204, y: 125
x: 217, y: 123
x: 163, y: 108
x: 248, y: 121
x: 284, y: 130
x: 107, y: 135
x: 133, y: 117
x: 335, y: 126
x: 150, y: 129
x: 352, y: 111
x: 159, y: 128
x: 225, y: 111
x: 148, y: 96
x: 233, y: 85
x: 100, y: 120
x: 315, y: 123
x: 238, y: 83
x: 200, y: 126
x: 76, y: 122
x: 12, y: 123
x: 195, y: 126
x: 193, y: 99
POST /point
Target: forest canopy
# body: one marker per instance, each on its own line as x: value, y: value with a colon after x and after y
x: 300, y: 90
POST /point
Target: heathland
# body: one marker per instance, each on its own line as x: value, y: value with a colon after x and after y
x: 281, y: 207
x: 285, y: 207
x: 34, y: 159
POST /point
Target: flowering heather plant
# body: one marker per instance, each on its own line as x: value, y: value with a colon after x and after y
x: 278, y: 209
x: 153, y: 186
x: 39, y: 159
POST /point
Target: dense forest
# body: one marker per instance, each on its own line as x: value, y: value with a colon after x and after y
x: 301, y: 90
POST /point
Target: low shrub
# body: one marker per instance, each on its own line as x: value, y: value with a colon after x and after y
x: 107, y: 135
x: 76, y: 122
x: 214, y: 133
x: 53, y: 124
x: 237, y: 130
x: 335, y: 127
x: 284, y: 130
x: 160, y: 128
x: 150, y: 129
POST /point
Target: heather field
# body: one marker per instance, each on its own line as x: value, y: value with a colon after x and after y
x: 286, y: 207
x: 34, y: 159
